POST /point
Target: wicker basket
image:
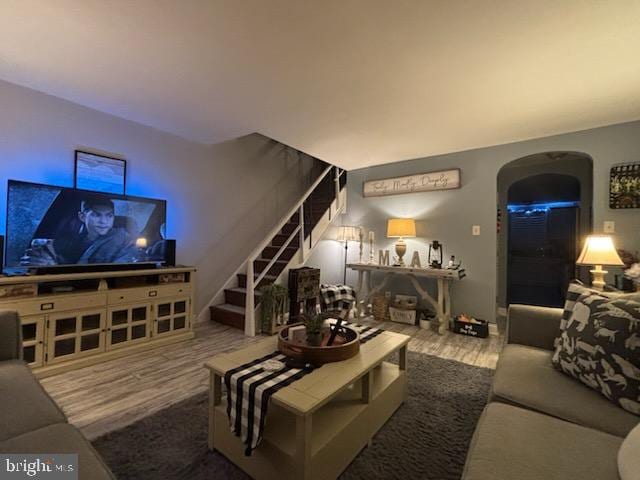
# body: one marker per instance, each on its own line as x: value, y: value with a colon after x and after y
x: 380, y: 308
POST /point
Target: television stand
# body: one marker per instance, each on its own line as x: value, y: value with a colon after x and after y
x: 71, y: 320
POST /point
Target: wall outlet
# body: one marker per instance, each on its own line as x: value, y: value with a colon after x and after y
x: 609, y: 227
x: 475, y: 230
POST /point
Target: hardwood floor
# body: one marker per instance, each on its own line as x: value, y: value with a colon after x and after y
x: 108, y: 396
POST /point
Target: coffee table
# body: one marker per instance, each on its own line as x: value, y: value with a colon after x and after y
x: 317, y: 425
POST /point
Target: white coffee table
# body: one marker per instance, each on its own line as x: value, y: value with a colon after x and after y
x: 317, y: 425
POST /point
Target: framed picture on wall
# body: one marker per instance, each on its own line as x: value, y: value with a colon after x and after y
x: 624, y: 186
x: 100, y: 173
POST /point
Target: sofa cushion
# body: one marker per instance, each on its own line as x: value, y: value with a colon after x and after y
x: 33, y: 406
x: 513, y: 443
x: 61, y: 438
x: 629, y: 456
x: 526, y: 377
x: 600, y: 347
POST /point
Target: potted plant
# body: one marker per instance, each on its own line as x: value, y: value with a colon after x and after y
x: 273, y: 305
x: 313, y: 323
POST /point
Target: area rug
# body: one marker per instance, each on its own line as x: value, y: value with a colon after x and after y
x: 427, y: 438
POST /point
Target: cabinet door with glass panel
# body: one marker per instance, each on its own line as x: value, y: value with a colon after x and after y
x: 128, y: 325
x: 33, y: 339
x: 74, y: 334
x: 171, y: 316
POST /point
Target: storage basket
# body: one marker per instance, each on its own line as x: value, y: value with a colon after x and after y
x: 402, y: 315
x: 380, y: 308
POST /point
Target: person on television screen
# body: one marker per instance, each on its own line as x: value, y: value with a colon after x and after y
x: 98, y: 240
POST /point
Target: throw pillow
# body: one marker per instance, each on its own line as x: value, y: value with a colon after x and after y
x: 629, y: 456
x: 577, y: 288
x: 600, y: 346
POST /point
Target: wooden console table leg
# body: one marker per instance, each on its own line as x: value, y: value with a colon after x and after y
x: 303, y: 447
x: 215, y: 398
x: 442, y: 321
x: 359, y: 294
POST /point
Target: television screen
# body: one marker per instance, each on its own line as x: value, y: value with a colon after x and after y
x: 49, y: 226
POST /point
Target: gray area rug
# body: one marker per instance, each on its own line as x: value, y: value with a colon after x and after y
x: 427, y: 438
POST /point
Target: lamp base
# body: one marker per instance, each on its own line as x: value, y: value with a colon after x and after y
x: 598, y: 282
x: 401, y: 249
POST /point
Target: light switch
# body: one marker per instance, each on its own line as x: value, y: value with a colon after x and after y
x: 475, y: 230
x: 609, y: 227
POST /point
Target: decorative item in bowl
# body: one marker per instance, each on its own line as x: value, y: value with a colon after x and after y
x: 324, y: 342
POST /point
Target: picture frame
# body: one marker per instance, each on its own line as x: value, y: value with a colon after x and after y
x: 99, y: 173
x: 450, y: 179
x: 624, y: 186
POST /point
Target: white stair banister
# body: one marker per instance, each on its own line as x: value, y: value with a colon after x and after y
x: 250, y: 324
x: 301, y: 241
x: 249, y: 308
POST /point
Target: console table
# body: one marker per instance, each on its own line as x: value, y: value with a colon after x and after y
x: 72, y: 320
x: 317, y: 425
x: 444, y: 277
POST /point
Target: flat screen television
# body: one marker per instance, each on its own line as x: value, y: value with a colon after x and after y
x: 50, y: 226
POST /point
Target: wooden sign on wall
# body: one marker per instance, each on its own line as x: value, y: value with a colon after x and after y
x: 422, y: 182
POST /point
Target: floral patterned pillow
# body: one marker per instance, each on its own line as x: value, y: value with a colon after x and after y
x: 600, y: 346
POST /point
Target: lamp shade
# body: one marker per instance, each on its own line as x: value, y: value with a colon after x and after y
x: 401, y: 227
x: 599, y: 250
x: 347, y: 233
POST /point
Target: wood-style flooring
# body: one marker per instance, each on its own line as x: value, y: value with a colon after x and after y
x: 108, y: 396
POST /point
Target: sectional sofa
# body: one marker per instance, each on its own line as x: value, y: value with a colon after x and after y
x: 540, y: 423
x: 30, y: 421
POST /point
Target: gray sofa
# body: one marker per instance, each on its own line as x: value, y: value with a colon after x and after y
x: 30, y: 421
x: 540, y: 423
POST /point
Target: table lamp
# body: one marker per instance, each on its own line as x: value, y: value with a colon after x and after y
x: 346, y: 234
x: 598, y: 251
x: 401, y: 228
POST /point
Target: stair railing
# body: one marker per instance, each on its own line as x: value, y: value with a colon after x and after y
x: 249, y: 322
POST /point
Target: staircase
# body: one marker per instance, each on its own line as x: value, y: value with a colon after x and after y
x: 288, y: 246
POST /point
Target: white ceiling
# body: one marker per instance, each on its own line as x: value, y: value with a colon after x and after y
x: 354, y: 82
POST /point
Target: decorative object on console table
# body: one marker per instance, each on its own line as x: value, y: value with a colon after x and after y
x: 422, y: 182
x: 624, y: 186
x: 383, y: 257
x: 435, y: 254
x: 598, y: 251
x: 401, y: 228
x: 467, y: 325
x: 304, y: 290
x: 371, y: 240
x: 346, y: 234
x: 415, y: 260
x: 361, y: 240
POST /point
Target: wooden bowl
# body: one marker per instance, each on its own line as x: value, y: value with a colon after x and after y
x: 346, y: 345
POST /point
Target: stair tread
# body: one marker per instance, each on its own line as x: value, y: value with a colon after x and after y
x: 269, y: 259
x: 255, y: 275
x: 242, y: 290
x: 230, y: 308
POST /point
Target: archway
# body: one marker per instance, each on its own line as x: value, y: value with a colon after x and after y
x: 544, y: 209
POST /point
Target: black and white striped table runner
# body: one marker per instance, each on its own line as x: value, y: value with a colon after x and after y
x: 250, y: 387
